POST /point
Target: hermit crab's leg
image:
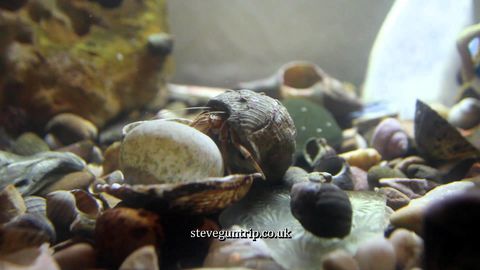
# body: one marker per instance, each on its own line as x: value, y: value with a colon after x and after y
x: 202, y: 122
x: 245, y: 153
x: 223, y: 138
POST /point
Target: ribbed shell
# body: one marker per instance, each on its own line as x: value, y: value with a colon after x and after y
x: 263, y: 126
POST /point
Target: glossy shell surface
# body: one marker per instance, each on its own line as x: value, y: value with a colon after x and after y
x: 263, y: 126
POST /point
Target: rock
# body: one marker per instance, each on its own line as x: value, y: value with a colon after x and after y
x: 424, y: 172
x: 413, y: 188
x: 339, y: 260
x: 465, y: 114
x: 142, y: 259
x: 112, y: 158
x: 411, y: 217
x: 70, y: 128
x: 395, y: 198
x: 362, y: 158
x: 378, y: 172
x: 74, y: 180
x: 376, y: 254
x: 11, y: 204
x: 83, y: 66
x: 408, y: 248
x: 359, y: 179
x: 455, y: 220
x: 29, y: 144
x: 76, y: 257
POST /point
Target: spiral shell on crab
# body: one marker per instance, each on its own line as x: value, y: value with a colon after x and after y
x: 390, y: 139
x: 339, y: 170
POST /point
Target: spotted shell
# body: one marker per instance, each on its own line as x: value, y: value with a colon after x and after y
x: 263, y: 126
x: 197, y: 197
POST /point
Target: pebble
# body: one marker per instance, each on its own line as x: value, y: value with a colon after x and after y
x: 413, y: 188
x: 359, y: 179
x: 11, y: 204
x: 69, y: 128
x: 76, y: 257
x: 465, y: 114
x: 29, y: 144
x: 408, y: 248
x: 112, y: 158
x: 340, y: 260
x: 75, y: 180
x: 376, y: 254
x: 424, y: 171
x: 395, y: 198
x: 378, y: 172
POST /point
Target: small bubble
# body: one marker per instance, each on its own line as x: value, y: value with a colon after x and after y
x: 303, y: 109
x: 120, y: 57
x: 319, y: 130
x: 329, y: 124
x: 303, y: 128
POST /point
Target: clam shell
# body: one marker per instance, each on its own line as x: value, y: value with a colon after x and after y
x: 32, y: 173
x: 205, y: 196
x: 437, y: 139
x: 34, y: 222
x: 36, y: 205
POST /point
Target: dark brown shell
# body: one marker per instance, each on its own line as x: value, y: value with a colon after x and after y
x: 437, y: 139
x: 263, y: 126
x: 207, y: 196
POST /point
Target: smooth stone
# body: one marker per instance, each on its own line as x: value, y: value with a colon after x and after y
x: 378, y: 172
x: 395, y: 198
x: 76, y: 257
x: 411, y: 216
x: 111, y: 161
x: 376, y: 254
x: 413, y: 188
x: 404, y: 163
x: 159, y: 151
x: 424, y: 171
x: 75, y: 180
x: 465, y: 114
x: 11, y: 204
x: 70, y: 128
x: 362, y: 158
x: 408, y: 248
x: 144, y: 258
x: 450, y: 232
x: 340, y: 260
x: 83, y: 149
x: 359, y: 179
x: 29, y: 144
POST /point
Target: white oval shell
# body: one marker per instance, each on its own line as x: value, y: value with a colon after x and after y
x: 161, y: 151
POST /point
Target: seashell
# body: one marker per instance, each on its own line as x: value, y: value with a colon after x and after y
x: 29, y: 144
x: 31, y: 174
x: 11, y: 204
x: 376, y: 254
x: 32, y: 258
x: 74, y: 180
x: 352, y: 140
x: 240, y: 253
x: 339, y: 260
x: 137, y: 227
x: 437, y: 139
x: 142, y: 258
x: 411, y: 217
x: 413, y: 188
x: 112, y: 158
x: 395, y: 198
x: 452, y: 219
x: 73, y: 212
x: 162, y: 151
x: 390, y: 139
x: 312, y: 121
x: 70, y: 128
x: 465, y: 114
x: 403, y: 164
x: 208, y: 195
x: 76, y: 257
x: 36, y: 205
x: 378, y: 172
x: 339, y: 169
x: 260, y: 132
x: 362, y: 158
x: 424, y: 172
x: 408, y: 248
x: 316, y: 150
x: 33, y: 222
x: 323, y: 209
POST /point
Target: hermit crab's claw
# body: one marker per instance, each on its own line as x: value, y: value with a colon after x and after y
x: 258, y: 175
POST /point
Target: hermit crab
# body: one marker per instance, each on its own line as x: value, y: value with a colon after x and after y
x: 254, y: 132
x: 178, y: 167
